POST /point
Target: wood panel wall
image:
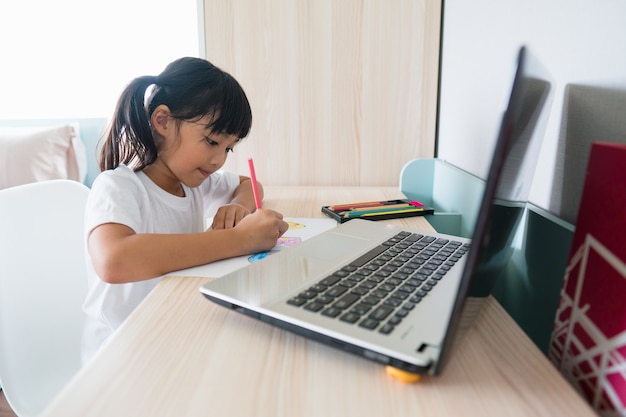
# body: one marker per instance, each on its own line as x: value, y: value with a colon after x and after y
x: 343, y: 92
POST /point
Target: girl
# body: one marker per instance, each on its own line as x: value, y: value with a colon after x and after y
x: 160, y: 179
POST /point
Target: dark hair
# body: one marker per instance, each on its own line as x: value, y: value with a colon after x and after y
x: 191, y: 88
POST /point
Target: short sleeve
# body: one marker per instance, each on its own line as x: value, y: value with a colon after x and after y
x: 115, y: 197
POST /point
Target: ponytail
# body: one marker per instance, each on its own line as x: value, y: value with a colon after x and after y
x: 129, y: 139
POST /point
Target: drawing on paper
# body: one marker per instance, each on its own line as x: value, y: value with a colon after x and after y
x: 281, y: 243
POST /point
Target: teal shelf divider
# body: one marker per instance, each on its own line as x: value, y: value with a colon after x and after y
x: 453, y: 193
x: 530, y: 286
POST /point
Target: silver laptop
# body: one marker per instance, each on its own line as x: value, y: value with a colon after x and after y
x: 401, y: 297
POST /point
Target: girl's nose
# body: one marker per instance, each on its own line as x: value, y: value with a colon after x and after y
x: 218, y: 158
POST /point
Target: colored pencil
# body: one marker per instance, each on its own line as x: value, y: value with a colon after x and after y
x: 342, y: 207
x: 255, y: 185
x: 384, y: 207
x: 381, y: 211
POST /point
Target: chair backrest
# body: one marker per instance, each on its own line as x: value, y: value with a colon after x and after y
x: 42, y: 287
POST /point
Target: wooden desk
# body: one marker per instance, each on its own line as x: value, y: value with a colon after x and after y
x: 181, y: 355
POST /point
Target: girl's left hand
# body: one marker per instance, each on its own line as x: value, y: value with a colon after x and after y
x: 228, y: 216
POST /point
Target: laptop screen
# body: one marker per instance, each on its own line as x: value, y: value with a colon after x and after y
x: 506, y: 193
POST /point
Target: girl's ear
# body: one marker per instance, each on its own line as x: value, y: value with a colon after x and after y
x: 161, y: 119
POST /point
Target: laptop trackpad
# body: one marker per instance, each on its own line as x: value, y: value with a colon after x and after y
x: 340, y: 247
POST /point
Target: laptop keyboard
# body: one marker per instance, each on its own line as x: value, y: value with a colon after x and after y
x: 377, y: 290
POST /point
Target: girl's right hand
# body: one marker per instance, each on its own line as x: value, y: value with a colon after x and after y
x: 260, y: 230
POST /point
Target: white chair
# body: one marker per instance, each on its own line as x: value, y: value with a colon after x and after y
x: 42, y: 287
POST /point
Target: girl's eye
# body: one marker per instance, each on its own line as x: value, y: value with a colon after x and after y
x: 211, y: 142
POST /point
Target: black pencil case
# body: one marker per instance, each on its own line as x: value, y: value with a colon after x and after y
x: 376, y: 210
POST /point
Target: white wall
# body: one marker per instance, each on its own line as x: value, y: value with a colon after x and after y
x: 72, y: 58
x: 578, y: 41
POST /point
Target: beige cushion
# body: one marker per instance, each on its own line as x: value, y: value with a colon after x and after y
x: 31, y: 154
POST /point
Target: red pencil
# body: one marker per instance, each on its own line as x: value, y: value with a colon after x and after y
x: 341, y: 207
x: 255, y: 185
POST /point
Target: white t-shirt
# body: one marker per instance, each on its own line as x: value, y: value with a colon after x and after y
x: 132, y: 199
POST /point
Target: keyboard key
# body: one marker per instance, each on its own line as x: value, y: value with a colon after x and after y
x: 296, y: 301
x: 368, y: 285
x: 359, y: 290
x: 346, y: 301
x: 407, y: 288
x: 308, y: 294
x: 350, y: 317
x: 363, y: 272
x: 402, y: 313
x: 361, y: 309
x: 331, y: 312
x: 393, y: 281
x: 392, y: 302
x: 416, y: 299
x: 369, y: 324
x: 380, y: 312
x: 378, y: 294
x: 336, y: 291
x: 371, y: 300
x: 414, y: 237
x: 322, y: 299
x: 330, y: 280
x: 386, y: 329
x: 348, y: 282
x: 341, y: 274
x: 314, y: 306
x: 400, y: 295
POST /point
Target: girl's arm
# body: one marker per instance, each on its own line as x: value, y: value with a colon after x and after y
x: 120, y: 255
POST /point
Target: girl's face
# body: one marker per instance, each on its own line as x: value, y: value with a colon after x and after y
x: 189, y: 154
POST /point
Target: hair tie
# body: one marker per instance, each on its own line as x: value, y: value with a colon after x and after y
x: 153, y: 89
